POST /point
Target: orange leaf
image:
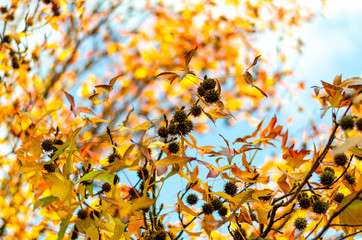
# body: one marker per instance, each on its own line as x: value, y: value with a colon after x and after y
x: 162, y: 165
x: 84, y: 110
x: 282, y: 183
x: 244, y: 216
x: 294, y: 158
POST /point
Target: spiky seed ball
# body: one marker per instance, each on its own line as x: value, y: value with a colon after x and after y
x: 50, y: 167
x: 7, y: 38
x: 212, y: 96
x: 216, y: 203
x: 82, y: 214
x: 179, y: 116
x: 116, y: 179
x: 329, y: 169
x: 182, y: 128
x: 112, y: 157
x: 304, y: 202
x: 302, y: 195
x: 106, y: 187
x: 55, y: 9
x: 207, y: 208
x: 340, y: 159
x: 208, y: 84
x: 174, y: 147
x: 359, y: 124
x: 239, y: 234
x: 10, y: 17
x: 327, y: 177
x: 15, y: 63
x: 47, y: 145
x: 163, y: 132
x: 160, y: 235
x: 300, y: 223
x: 150, y: 236
x: 350, y: 178
x: 201, y: 91
x: 320, y: 207
x: 347, y: 122
x: 196, y: 110
x: 192, y: 199
x: 223, y: 211
x: 230, y: 188
x: 58, y: 141
x: 338, y: 197
x: 132, y: 192
x: 189, y: 125
x: 172, y: 129
x: 142, y: 173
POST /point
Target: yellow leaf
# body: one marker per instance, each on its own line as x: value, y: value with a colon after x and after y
x: 61, y: 187
x: 30, y: 166
x: 350, y: 81
x: 353, y: 213
x: 262, y: 213
x: 282, y: 183
x: 162, y: 165
x: 217, y: 113
x: 244, y: 216
x: 92, y: 232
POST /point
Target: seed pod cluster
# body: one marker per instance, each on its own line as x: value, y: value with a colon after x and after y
x: 327, y: 177
x: 207, y: 90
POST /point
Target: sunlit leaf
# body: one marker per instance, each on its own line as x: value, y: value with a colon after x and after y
x: 162, y: 165
x: 348, y: 144
x: 352, y: 215
x: 63, y: 227
x: 282, y: 183
x: 350, y: 81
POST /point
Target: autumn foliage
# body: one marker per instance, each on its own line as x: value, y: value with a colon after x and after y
x: 103, y: 104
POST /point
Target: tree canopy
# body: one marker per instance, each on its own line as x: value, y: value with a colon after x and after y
x: 102, y: 104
